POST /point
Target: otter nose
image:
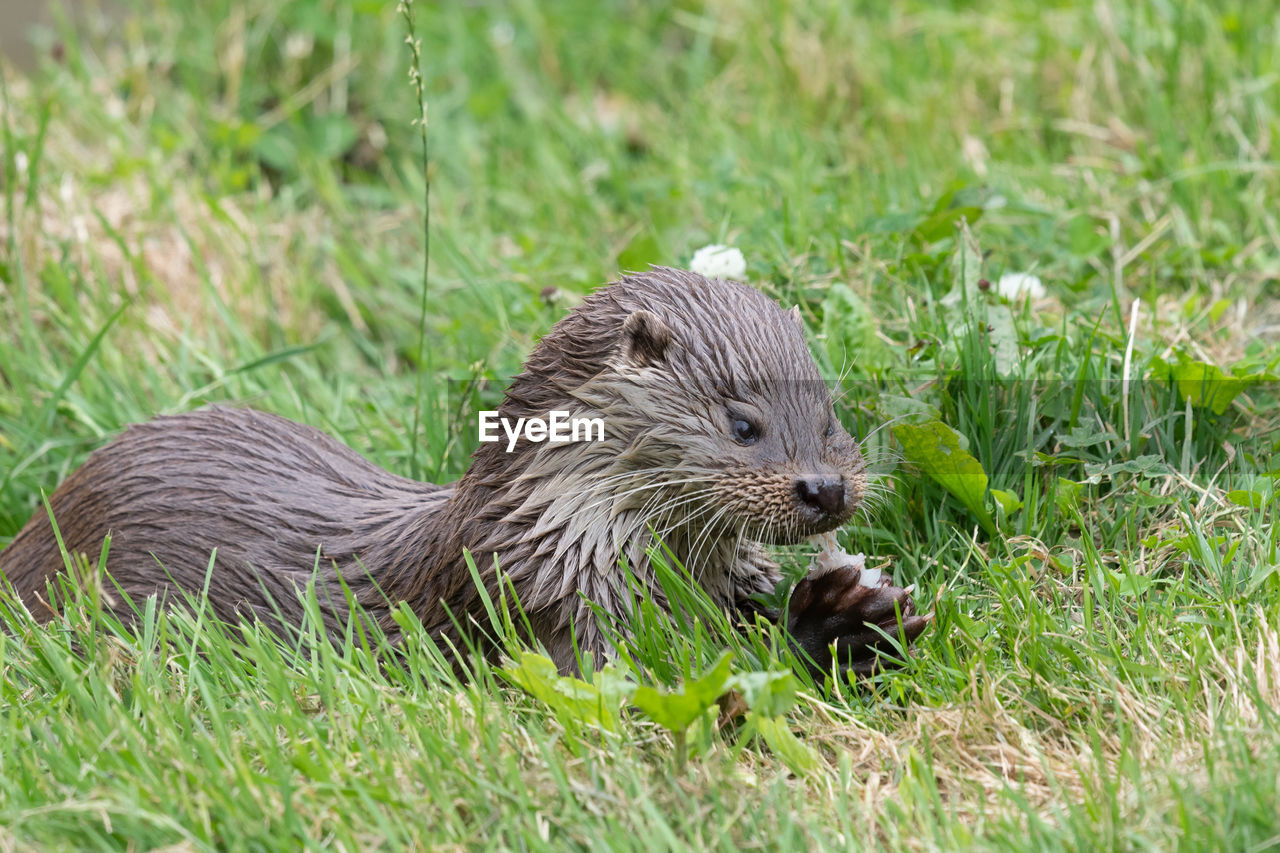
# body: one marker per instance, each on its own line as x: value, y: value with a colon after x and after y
x: 822, y: 493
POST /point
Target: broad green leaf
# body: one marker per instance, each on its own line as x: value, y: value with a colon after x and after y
x: 797, y: 755
x: 1204, y: 384
x: 1084, y: 437
x: 571, y: 699
x: 1009, y: 502
x: 935, y: 448
x: 942, y: 223
x: 769, y: 693
x: 677, y: 710
x: 1069, y: 494
x: 1148, y: 465
x: 1247, y: 498
x: 1129, y: 584
x: 908, y: 409
x: 1191, y: 544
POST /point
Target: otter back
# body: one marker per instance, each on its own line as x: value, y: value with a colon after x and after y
x: 274, y: 497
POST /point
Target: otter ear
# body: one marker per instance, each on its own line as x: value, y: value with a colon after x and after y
x: 794, y: 313
x: 645, y: 338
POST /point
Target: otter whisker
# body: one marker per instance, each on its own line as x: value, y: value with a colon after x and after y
x: 618, y: 497
x: 706, y: 539
x: 682, y: 521
x: 661, y: 504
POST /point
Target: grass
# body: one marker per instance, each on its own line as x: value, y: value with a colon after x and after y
x: 223, y: 201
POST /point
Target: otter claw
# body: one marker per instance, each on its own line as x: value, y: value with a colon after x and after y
x: 833, y: 610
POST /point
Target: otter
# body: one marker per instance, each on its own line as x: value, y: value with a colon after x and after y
x: 720, y: 439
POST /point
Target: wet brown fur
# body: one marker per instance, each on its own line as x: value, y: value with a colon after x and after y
x: 666, y: 358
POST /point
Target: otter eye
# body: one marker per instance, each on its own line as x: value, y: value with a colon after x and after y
x: 831, y: 428
x: 744, y: 431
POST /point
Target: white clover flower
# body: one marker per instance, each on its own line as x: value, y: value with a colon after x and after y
x: 1014, y: 286
x: 716, y: 261
x: 299, y: 46
x: 502, y: 33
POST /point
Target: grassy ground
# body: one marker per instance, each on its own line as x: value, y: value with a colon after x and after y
x: 223, y: 201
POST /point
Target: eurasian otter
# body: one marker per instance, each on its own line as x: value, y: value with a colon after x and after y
x: 720, y: 435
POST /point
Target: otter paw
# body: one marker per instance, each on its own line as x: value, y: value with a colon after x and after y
x: 833, y: 607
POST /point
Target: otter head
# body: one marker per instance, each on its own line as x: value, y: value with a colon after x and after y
x: 712, y: 401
